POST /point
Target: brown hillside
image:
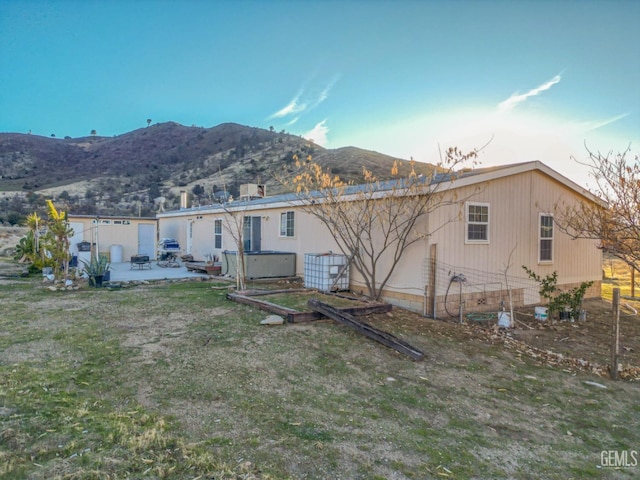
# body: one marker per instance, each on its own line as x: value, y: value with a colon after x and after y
x: 124, y: 173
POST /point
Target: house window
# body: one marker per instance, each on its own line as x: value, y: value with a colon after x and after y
x: 546, y: 238
x: 477, y: 215
x: 287, y: 224
x: 217, y: 233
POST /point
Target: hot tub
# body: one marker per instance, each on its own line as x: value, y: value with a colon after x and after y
x: 262, y: 264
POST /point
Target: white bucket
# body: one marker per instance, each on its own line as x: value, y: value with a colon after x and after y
x: 541, y: 313
x: 504, y: 320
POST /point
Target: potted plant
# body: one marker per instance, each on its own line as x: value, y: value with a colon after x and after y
x: 97, y: 270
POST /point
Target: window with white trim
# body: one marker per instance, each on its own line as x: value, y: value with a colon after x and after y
x: 477, y: 222
x: 287, y: 224
x: 217, y: 233
x: 545, y: 252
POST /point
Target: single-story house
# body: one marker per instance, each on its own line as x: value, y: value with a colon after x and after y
x: 117, y: 237
x: 504, y: 222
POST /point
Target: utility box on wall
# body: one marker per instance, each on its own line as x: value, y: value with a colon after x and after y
x: 326, y: 271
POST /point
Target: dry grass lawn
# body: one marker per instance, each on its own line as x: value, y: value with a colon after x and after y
x: 171, y: 380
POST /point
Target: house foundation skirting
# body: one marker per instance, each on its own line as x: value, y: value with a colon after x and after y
x: 486, y: 301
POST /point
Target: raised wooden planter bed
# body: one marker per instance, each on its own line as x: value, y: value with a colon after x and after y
x: 321, y: 310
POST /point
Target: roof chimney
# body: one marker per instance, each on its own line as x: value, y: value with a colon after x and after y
x: 183, y: 200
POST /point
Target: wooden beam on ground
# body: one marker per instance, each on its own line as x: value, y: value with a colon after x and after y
x: 366, y: 329
x: 291, y: 315
x: 367, y: 309
x: 348, y: 296
x: 294, y: 316
x: 257, y: 293
x: 261, y: 304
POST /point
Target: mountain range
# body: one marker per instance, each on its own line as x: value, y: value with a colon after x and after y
x: 123, y: 174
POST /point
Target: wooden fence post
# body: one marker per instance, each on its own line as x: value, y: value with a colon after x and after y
x: 615, y: 330
x: 433, y: 265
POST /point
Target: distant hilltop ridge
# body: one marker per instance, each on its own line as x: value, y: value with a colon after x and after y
x: 125, y: 173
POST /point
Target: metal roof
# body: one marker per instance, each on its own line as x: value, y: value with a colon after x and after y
x: 457, y: 179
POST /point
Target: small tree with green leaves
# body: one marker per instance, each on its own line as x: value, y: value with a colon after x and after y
x: 47, y: 244
x: 559, y: 300
x: 33, y: 245
x: 57, y: 242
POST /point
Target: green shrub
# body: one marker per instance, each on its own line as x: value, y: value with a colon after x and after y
x: 558, y: 300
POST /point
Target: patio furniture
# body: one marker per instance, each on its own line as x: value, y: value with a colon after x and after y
x: 168, y: 251
x: 140, y: 261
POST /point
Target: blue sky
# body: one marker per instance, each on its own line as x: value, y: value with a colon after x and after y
x: 405, y: 78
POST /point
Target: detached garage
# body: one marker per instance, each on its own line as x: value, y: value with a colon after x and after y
x: 118, y: 238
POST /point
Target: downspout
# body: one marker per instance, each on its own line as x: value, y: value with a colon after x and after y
x: 97, y: 239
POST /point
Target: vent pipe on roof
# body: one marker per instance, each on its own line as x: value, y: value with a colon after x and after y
x: 183, y: 200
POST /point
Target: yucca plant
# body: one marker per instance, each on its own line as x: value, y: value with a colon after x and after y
x: 96, y: 269
x: 26, y: 248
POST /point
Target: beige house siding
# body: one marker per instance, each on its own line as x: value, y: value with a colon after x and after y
x: 309, y: 237
x: 108, y: 232
x: 515, y: 204
x: 516, y: 196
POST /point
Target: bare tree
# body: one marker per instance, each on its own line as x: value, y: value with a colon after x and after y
x: 374, y: 223
x: 235, y: 224
x: 616, y: 221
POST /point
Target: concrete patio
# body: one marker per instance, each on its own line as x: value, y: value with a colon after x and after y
x: 122, y: 272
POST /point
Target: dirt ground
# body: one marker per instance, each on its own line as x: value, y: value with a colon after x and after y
x: 590, y: 339
x: 581, y: 345
x: 584, y: 345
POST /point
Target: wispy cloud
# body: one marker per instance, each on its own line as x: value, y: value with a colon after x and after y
x: 305, y: 101
x: 292, y: 108
x: 324, y: 94
x: 516, y: 99
x: 596, y: 124
x: 293, y: 121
